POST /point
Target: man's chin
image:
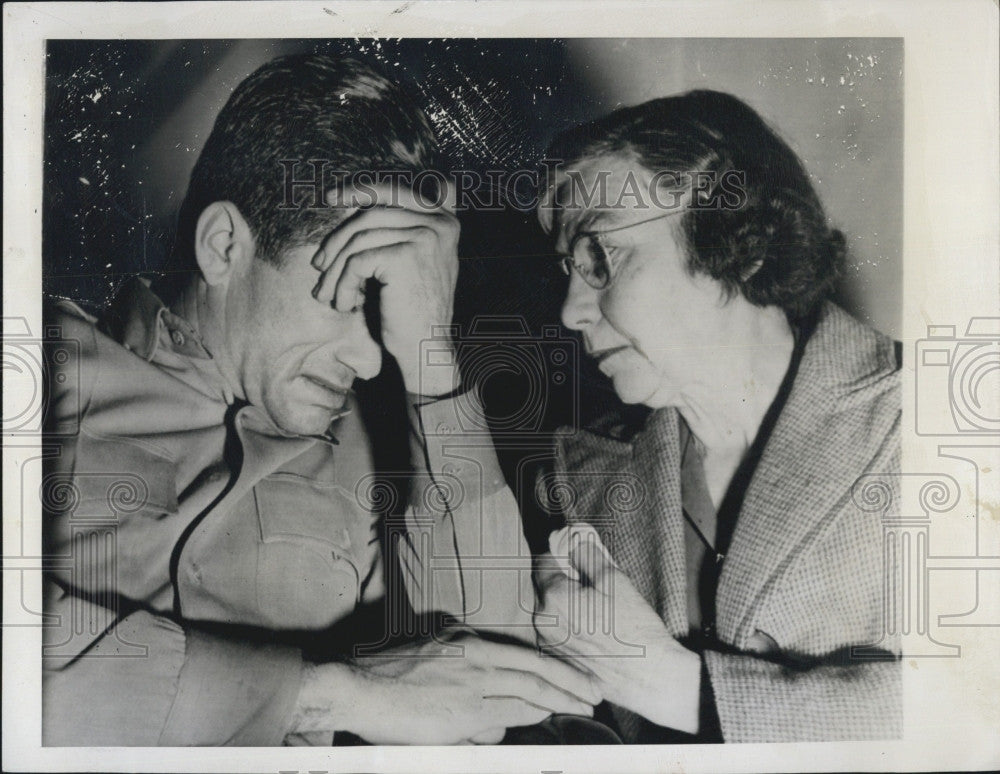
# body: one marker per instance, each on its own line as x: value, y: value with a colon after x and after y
x: 307, y: 420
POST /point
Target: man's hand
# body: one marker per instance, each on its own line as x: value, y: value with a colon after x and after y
x: 412, y: 250
x: 599, y: 621
x: 423, y: 694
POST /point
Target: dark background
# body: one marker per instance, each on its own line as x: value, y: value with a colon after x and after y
x: 125, y: 121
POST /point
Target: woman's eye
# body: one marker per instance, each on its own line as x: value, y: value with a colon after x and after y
x: 610, y: 255
x: 595, y: 253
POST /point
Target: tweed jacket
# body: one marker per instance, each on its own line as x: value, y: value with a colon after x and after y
x: 182, y: 585
x: 804, y: 565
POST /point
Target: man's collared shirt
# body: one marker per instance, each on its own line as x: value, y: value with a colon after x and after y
x: 208, y: 514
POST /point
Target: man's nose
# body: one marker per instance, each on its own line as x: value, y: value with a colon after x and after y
x: 358, y: 350
x: 580, y: 308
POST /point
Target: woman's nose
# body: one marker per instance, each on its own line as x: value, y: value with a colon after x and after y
x: 358, y: 350
x: 580, y: 308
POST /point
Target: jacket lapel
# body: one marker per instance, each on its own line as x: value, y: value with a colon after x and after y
x: 804, y: 475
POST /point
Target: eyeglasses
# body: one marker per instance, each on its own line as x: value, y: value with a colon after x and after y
x: 588, y: 254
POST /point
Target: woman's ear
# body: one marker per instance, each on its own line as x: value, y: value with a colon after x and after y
x: 222, y: 241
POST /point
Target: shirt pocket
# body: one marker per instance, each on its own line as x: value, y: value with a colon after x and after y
x: 113, y: 477
x: 308, y: 574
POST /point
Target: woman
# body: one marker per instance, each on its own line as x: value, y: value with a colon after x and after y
x: 738, y: 578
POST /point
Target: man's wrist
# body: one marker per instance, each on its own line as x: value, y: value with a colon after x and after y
x: 324, y: 703
x: 435, y: 374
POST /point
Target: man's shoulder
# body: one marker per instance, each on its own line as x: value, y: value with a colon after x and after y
x: 79, y: 325
x: 67, y: 319
x: 71, y: 363
x: 98, y: 373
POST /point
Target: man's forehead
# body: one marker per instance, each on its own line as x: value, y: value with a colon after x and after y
x: 389, y: 189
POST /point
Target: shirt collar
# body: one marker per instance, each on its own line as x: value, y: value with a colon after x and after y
x: 138, y: 319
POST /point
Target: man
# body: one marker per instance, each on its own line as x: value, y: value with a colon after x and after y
x: 212, y: 512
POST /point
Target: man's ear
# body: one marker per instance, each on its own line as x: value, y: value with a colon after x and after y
x: 222, y: 241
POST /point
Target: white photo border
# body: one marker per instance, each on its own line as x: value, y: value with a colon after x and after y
x: 951, y: 274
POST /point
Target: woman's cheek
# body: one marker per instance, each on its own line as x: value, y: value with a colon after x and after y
x: 640, y: 323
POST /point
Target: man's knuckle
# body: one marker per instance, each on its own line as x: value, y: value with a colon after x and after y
x: 424, y: 233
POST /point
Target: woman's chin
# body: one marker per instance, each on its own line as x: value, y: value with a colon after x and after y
x: 634, y: 389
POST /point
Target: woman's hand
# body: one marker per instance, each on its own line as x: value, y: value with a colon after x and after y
x: 591, y: 615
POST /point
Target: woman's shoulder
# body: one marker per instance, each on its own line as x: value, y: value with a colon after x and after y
x: 844, y: 356
x: 842, y: 334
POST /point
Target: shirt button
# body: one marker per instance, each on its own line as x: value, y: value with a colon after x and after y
x: 177, y: 337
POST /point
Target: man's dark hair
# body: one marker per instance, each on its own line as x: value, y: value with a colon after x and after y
x: 340, y: 113
x: 771, y: 242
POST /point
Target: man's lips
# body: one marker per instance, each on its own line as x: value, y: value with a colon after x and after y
x: 326, y: 384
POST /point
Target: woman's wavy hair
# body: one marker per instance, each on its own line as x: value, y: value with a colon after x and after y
x: 759, y: 227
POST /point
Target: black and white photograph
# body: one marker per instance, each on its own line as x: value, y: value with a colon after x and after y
x: 424, y: 388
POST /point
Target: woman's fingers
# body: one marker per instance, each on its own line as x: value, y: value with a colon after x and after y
x: 590, y: 558
x: 550, y: 571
